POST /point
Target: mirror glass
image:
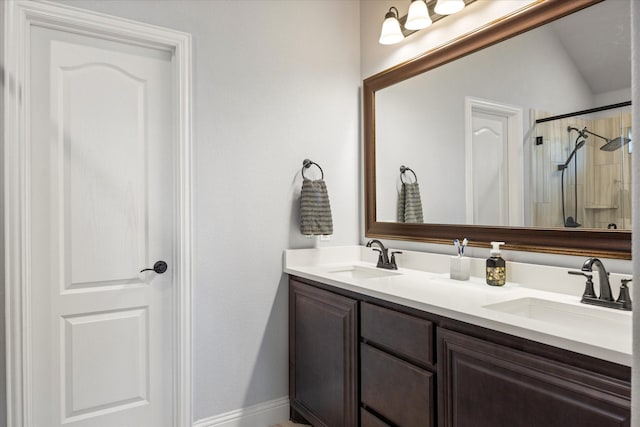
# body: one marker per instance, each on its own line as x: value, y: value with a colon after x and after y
x: 475, y: 155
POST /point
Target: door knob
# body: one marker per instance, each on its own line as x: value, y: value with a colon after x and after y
x: 159, y: 267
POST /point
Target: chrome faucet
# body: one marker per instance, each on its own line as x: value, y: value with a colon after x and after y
x: 603, y: 277
x: 383, y: 257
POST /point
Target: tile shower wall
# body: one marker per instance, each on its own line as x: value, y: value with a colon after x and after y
x: 546, y: 179
x: 608, y: 176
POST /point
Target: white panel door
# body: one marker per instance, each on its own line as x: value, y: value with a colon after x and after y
x: 490, y: 169
x: 101, y: 201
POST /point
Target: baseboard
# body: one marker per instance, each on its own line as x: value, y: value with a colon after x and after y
x: 261, y: 415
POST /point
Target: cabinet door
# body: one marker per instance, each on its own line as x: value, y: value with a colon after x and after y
x: 485, y: 384
x: 323, y: 356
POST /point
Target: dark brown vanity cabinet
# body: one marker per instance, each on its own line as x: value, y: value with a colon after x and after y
x: 486, y: 384
x: 323, y: 356
x: 359, y: 361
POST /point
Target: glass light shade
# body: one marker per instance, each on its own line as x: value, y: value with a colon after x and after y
x: 390, y: 33
x: 418, y: 16
x: 448, y: 7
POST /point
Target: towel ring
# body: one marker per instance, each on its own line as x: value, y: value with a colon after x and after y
x: 306, y: 164
x: 404, y: 169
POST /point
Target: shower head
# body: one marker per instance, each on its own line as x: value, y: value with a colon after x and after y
x: 614, y: 144
x: 611, y: 144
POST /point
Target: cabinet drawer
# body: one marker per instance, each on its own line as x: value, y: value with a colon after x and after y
x: 367, y: 419
x: 398, y: 391
x: 402, y: 334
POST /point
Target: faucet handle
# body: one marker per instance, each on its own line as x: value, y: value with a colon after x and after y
x: 588, y: 286
x: 393, y: 258
x: 624, y: 298
x: 580, y: 273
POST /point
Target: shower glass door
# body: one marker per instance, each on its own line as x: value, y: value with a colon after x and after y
x: 581, y: 170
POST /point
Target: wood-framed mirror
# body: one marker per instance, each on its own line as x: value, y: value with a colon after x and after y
x: 588, y: 240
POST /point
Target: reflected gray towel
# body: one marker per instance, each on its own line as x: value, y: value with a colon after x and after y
x: 410, y: 204
x: 315, y: 210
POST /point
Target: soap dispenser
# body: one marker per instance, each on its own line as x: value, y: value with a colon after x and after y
x: 496, y: 266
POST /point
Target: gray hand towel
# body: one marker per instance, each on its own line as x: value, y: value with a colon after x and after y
x: 315, y: 209
x: 410, y: 204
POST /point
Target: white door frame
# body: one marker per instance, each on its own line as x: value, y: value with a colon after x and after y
x: 19, y: 16
x: 515, y: 132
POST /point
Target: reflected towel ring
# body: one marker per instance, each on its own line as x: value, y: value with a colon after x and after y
x: 404, y: 169
x: 306, y: 164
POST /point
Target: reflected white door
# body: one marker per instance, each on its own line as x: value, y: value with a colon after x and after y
x: 490, y: 169
x: 494, y: 163
x: 101, y: 209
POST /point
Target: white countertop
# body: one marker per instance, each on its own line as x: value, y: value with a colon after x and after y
x: 607, y: 337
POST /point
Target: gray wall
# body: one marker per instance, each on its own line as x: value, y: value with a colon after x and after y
x: 274, y: 82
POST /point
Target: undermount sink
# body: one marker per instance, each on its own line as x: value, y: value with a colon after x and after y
x: 360, y: 272
x: 583, y: 317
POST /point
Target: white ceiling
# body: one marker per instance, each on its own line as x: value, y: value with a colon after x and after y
x: 598, y: 40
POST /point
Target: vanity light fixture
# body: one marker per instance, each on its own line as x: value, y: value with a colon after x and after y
x: 391, y: 32
x: 418, y: 17
x: 449, y: 7
x: 396, y: 28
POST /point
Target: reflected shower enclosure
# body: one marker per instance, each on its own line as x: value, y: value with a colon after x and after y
x: 581, y: 170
